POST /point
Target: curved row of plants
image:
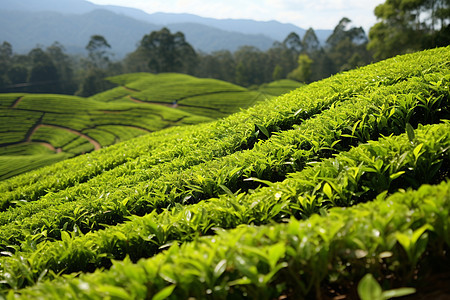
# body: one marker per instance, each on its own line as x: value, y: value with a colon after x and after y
x: 239, y: 129
x: 385, y: 237
x: 209, y: 178
x: 90, y: 205
x: 72, y: 126
x: 351, y: 177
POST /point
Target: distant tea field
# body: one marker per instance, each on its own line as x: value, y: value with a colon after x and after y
x: 339, y: 189
x: 38, y: 130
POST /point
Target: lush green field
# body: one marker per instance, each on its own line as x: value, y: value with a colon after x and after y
x: 201, y: 96
x: 298, y: 197
x: 279, y: 87
x: 37, y: 130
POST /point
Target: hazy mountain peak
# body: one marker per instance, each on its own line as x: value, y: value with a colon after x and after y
x: 125, y: 26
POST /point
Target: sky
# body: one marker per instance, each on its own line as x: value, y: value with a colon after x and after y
x: 318, y: 14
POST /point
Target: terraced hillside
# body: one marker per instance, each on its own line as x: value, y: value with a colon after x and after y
x: 279, y: 87
x: 336, y: 189
x: 200, y: 96
x: 38, y: 130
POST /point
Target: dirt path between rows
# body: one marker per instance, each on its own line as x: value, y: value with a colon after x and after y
x: 49, y: 146
x: 96, y: 144
x: 17, y: 102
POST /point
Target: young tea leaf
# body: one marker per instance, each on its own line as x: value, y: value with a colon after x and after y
x: 164, y: 293
x: 369, y: 288
x: 410, y: 132
x: 328, y: 191
x: 416, y: 151
x: 396, y: 175
x: 263, y: 129
x: 398, y: 293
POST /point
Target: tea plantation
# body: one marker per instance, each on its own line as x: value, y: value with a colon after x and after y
x: 37, y: 130
x: 338, y: 189
x: 279, y: 87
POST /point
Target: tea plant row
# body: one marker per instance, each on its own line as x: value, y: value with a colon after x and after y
x: 384, y: 237
x: 240, y: 128
x: 291, y: 158
x: 21, y: 113
x: 351, y: 177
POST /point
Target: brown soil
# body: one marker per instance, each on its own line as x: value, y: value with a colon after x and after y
x: 16, y: 102
x: 49, y: 146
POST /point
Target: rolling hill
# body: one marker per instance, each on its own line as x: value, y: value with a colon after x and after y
x: 279, y: 87
x: 337, y: 189
x: 38, y: 130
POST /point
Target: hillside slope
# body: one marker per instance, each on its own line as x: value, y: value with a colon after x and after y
x: 38, y: 130
x: 249, y: 206
x: 201, y: 96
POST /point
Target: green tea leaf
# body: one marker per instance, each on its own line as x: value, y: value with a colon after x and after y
x: 418, y: 233
x: 120, y: 235
x: 396, y: 175
x: 398, y: 293
x: 227, y: 190
x: 369, y: 288
x: 65, y: 236
x: 416, y: 151
x: 410, y: 132
x: 263, y: 130
x: 276, y: 252
x: 327, y: 190
x: 220, y: 268
x: 113, y: 291
x: 164, y: 293
x: 404, y: 240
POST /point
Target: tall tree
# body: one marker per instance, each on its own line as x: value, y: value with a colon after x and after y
x: 167, y: 52
x: 64, y: 66
x: 346, y: 46
x: 303, y: 72
x: 219, y: 65
x: 344, y: 30
x: 97, y: 67
x: 293, y: 42
x: 5, y: 62
x: 98, y: 52
x: 251, y: 67
x: 281, y: 60
x: 310, y: 41
x: 409, y: 25
x: 43, y: 76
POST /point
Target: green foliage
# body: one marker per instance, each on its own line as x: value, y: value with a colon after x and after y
x: 279, y: 87
x: 66, y: 123
x: 303, y: 72
x: 167, y: 52
x: 40, y: 71
x: 266, y: 204
x: 406, y: 26
x: 368, y: 289
x: 251, y: 261
x: 292, y: 197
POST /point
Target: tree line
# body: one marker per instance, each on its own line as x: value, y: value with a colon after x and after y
x: 404, y: 26
x: 51, y: 70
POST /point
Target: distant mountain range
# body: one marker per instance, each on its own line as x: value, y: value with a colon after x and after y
x: 28, y: 23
